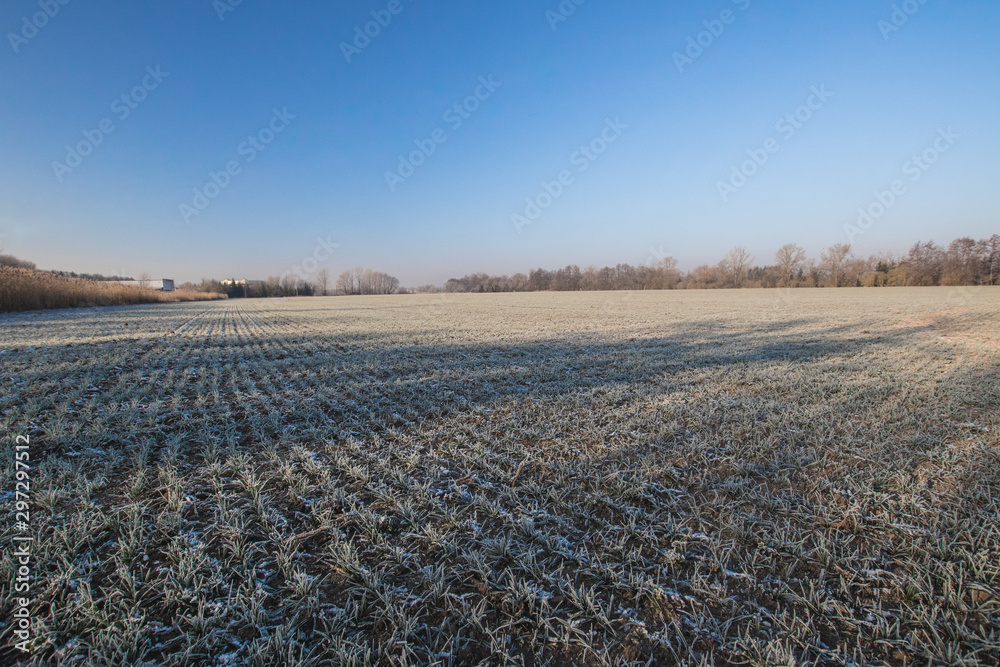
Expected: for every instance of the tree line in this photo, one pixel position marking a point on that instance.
(358, 280)
(965, 261)
(366, 281)
(274, 286)
(15, 263)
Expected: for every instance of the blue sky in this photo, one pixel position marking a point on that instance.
(555, 86)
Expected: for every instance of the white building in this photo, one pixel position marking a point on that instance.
(165, 285)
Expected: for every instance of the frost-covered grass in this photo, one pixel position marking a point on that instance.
(751, 477)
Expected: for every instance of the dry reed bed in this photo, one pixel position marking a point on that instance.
(24, 289)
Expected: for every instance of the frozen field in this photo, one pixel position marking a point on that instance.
(750, 477)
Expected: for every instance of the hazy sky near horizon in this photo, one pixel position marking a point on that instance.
(215, 138)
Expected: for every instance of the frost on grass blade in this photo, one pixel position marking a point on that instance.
(687, 477)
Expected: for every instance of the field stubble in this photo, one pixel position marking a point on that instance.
(752, 477)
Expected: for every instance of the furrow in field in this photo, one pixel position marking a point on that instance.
(92, 373)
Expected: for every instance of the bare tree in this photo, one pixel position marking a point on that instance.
(14, 262)
(789, 258)
(669, 274)
(833, 259)
(365, 281)
(703, 277)
(963, 262)
(992, 253)
(345, 283)
(735, 266)
(925, 263)
(289, 285)
(381, 283)
(322, 281)
(362, 280)
(145, 279)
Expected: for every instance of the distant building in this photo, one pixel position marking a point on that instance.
(165, 285)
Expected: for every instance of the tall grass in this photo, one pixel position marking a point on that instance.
(24, 289)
